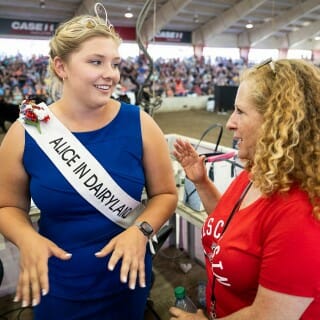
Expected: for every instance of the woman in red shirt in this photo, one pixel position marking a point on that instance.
(261, 237)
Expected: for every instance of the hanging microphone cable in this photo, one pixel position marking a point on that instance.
(143, 97)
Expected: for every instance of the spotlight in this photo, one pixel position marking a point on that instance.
(128, 14)
(249, 25)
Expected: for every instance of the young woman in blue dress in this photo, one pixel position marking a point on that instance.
(82, 263)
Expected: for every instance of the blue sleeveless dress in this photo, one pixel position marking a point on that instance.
(83, 287)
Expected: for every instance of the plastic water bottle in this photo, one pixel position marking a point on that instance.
(183, 301)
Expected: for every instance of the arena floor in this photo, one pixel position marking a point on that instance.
(193, 123)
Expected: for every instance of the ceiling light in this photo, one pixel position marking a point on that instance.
(42, 4)
(249, 25)
(196, 18)
(128, 14)
(317, 38)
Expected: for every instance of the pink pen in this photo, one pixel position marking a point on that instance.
(220, 157)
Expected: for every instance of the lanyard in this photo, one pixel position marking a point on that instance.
(236, 206)
(233, 212)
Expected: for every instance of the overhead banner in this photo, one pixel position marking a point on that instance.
(173, 36)
(126, 33)
(27, 28)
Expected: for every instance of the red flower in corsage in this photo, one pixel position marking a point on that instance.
(33, 114)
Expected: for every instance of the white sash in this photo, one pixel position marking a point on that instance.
(83, 171)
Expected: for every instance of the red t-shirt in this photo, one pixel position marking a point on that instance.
(274, 242)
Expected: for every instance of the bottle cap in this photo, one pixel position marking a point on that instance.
(179, 292)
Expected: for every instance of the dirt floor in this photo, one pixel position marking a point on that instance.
(193, 123)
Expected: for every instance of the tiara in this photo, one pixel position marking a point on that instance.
(102, 16)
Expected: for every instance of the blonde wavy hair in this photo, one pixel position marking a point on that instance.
(69, 37)
(287, 94)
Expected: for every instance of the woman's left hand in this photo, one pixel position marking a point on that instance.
(130, 247)
(177, 313)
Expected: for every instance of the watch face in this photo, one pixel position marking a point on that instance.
(146, 228)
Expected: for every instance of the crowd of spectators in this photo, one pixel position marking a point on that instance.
(20, 77)
(180, 77)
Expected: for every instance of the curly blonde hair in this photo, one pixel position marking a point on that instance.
(287, 94)
(69, 37)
